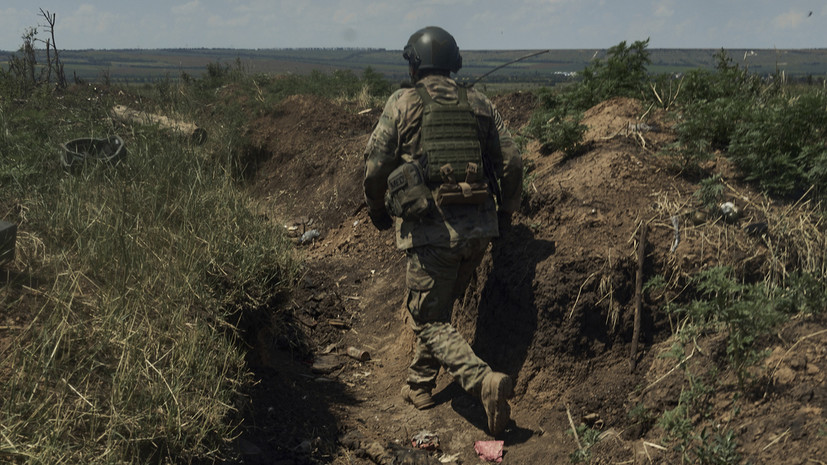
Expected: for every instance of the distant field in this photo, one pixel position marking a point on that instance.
(149, 65)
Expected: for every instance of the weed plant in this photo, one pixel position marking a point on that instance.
(587, 438)
(745, 311)
(712, 445)
(622, 74)
(773, 133)
(710, 193)
(782, 147)
(557, 124)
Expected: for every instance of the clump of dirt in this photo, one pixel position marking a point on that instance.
(552, 304)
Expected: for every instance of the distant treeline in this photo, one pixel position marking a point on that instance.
(142, 65)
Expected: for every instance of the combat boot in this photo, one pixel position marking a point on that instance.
(420, 398)
(496, 389)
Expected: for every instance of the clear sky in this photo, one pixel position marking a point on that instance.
(476, 24)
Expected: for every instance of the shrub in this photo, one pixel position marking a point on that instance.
(710, 193)
(557, 123)
(783, 145)
(623, 74)
(558, 127)
(693, 405)
(717, 448)
(587, 438)
(376, 83)
(712, 107)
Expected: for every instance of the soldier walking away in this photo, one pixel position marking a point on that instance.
(442, 168)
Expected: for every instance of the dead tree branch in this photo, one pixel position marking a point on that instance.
(53, 64)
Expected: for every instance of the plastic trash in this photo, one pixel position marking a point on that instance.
(309, 236)
(490, 451)
(425, 440)
(78, 152)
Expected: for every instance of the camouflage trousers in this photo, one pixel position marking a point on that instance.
(436, 277)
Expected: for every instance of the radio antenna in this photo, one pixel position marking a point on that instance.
(534, 54)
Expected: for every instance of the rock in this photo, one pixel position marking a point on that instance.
(698, 217)
(326, 364)
(309, 236)
(798, 362)
(784, 375)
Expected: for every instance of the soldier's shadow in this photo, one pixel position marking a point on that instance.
(500, 301)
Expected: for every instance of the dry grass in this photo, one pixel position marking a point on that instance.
(119, 348)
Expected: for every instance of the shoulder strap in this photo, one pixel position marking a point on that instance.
(462, 95)
(424, 95)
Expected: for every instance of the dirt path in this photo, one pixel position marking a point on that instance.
(552, 304)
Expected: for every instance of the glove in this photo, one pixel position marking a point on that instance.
(380, 219)
(503, 222)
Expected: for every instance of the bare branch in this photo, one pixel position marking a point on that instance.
(51, 19)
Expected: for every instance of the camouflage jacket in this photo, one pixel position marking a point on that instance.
(396, 139)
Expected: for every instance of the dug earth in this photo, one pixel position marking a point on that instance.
(553, 305)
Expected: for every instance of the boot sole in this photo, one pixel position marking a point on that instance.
(495, 395)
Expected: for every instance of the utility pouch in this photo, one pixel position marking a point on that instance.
(408, 197)
(473, 191)
(462, 193)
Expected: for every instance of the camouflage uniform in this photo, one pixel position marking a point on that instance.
(445, 247)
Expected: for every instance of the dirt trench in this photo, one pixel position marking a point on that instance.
(552, 303)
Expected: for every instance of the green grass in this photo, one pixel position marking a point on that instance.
(127, 280)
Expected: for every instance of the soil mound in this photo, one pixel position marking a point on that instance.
(309, 150)
(553, 303)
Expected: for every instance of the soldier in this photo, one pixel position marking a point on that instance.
(441, 161)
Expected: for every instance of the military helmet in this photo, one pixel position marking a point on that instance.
(432, 48)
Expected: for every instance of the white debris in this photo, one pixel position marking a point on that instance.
(309, 236)
(729, 211)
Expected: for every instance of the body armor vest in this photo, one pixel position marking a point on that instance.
(450, 170)
(449, 139)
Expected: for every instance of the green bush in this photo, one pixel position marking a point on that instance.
(777, 141)
(623, 74)
(712, 106)
(783, 145)
(803, 294)
(693, 406)
(376, 83)
(717, 448)
(727, 81)
(557, 123)
(587, 438)
(558, 127)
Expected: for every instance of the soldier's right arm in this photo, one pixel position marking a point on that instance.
(382, 155)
